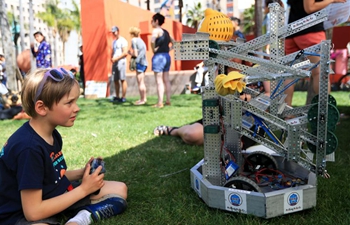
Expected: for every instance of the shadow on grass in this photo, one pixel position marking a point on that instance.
(158, 177)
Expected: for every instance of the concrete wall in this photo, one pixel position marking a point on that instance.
(177, 79)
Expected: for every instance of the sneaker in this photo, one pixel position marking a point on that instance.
(115, 99)
(106, 207)
(196, 88)
(122, 100)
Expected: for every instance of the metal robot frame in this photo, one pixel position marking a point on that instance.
(227, 118)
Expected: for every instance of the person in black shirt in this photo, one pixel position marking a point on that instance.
(307, 37)
(161, 59)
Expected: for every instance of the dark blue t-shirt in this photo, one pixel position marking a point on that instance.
(28, 162)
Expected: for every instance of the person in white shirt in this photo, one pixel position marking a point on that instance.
(119, 54)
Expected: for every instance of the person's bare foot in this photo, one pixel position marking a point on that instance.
(139, 102)
(159, 105)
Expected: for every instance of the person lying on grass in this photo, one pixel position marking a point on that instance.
(193, 133)
(35, 185)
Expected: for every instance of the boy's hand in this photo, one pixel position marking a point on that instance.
(96, 163)
(92, 182)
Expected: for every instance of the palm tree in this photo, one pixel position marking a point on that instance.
(258, 18)
(248, 20)
(75, 17)
(21, 25)
(59, 20)
(8, 48)
(195, 15)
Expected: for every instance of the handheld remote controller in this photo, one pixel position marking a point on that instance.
(94, 165)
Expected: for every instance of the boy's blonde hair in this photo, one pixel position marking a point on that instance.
(134, 31)
(52, 91)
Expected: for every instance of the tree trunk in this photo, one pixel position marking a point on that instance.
(258, 18)
(64, 52)
(8, 48)
(180, 10)
(54, 59)
(21, 32)
(31, 32)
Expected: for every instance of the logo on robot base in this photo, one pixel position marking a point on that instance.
(197, 184)
(236, 202)
(293, 199)
(235, 199)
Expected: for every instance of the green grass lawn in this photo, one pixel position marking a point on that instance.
(156, 169)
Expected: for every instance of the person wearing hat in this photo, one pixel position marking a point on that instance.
(42, 54)
(119, 54)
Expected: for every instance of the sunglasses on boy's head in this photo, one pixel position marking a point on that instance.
(56, 75)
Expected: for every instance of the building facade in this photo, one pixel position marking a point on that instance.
(171, 8)
(12, 9)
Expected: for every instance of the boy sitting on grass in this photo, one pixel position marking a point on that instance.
(35, 185)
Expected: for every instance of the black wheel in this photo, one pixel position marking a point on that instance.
(242, 183)
(259, 160)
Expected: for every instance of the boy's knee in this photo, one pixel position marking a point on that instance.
(123, 189)
(118, 188)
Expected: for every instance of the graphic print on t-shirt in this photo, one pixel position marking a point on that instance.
(56, 162)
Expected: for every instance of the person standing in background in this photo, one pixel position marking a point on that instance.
(138, 51)
(306, 38)
(119, 53)
(200, 69)
(237, 29)
(81, 70)
(161, 59)
(42, 54)
(3, 76)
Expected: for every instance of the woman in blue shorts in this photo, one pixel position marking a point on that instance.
(161, 59)
(138, 51)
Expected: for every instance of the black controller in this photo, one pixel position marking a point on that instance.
(94, 165)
